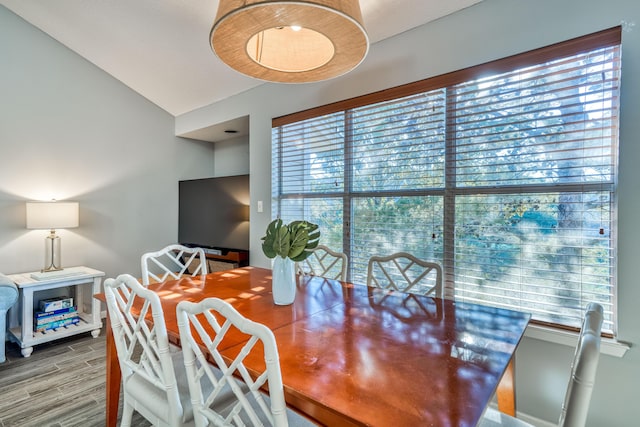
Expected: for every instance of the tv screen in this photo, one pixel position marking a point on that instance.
(214, 212)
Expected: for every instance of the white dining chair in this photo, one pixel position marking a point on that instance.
(173, 262)
(324, 262)
(405, 272)
(147, 361)
(575, 407)
(211, 320)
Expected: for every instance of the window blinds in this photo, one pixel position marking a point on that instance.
(507, 178)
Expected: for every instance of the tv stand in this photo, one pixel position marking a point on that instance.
(218, 255)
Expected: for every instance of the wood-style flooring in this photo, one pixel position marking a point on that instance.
(62, 384)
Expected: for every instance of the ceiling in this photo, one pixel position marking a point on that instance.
(160, 48)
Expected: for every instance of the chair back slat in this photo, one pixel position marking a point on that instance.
(406, 273)
(583, 369)
(141, 340)
(203, 329)
(172, 262)
(324, 262)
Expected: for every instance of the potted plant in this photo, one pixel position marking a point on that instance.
(287, 244)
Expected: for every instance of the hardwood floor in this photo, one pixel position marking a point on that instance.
(62, 384)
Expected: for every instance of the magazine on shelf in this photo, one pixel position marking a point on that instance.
(42, 314)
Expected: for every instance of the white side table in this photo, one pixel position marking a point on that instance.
(85, 282)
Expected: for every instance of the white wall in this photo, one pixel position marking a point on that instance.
(232, 157)
(70, 131)
(489, 30)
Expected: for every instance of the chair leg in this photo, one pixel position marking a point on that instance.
(127, 414)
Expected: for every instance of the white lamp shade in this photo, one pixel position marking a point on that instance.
(52, 215)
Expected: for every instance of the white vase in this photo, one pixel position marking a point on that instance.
(283, 281)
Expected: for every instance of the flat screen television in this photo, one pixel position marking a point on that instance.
(214, 212)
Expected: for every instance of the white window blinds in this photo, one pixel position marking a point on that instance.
(504, 173)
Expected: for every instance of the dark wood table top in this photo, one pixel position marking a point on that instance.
(353, 355)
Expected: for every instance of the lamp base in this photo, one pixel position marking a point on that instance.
(52, 254)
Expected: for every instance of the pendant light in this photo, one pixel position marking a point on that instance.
(290, 41)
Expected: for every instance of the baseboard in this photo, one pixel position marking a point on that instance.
(537, 422)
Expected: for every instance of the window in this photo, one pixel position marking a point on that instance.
(505, 173)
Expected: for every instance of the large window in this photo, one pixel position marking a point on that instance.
(504, 173)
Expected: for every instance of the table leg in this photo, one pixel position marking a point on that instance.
(506, 394)
(114, 377)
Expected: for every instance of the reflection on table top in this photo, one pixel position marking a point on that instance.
(353, 355)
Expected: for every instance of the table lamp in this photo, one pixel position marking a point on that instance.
(51, 216)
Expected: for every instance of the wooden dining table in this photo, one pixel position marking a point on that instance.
(352, 355)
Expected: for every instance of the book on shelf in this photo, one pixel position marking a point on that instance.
(58, 324)
(42, 318)
(57, 303)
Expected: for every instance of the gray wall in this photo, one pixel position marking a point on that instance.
(486, 31)
(70, 131)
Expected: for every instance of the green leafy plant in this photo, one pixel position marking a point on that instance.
(293, 240)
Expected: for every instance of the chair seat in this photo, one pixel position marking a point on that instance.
(494, 418)
(148, 396)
